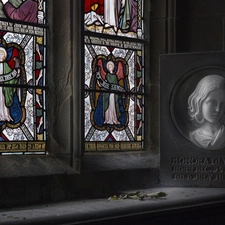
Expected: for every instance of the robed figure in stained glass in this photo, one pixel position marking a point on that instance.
(111, 102)
(5, 93)
(15, 3)
(111, 14)
(118, 14)
(25, 11)
(127, 13)
(10, 109)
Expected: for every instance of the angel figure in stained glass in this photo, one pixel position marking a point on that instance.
(110, 100)
(8, 76)
(110, 108)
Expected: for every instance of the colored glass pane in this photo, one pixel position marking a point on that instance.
(22, 80)
(31, 11)
(113, 17)
(114, 95)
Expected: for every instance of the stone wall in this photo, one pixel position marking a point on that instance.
(175, 26)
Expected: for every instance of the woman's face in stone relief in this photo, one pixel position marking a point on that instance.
(213, 106)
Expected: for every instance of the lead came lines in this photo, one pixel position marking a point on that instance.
(27, 133)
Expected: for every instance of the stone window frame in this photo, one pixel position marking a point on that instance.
(132, 159)
(74, 145)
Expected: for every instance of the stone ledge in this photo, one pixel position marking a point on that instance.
(41, 165)
(94, 162)
(32, 165)
(87, 211)
(34, 179)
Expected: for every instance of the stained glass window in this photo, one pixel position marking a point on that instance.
(22, 76)
(114, 17)
(113, 75)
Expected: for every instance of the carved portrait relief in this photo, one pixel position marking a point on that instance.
(206, 106)
(198, 108)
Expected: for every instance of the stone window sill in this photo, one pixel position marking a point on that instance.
(193, 201)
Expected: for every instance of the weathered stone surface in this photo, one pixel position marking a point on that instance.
(186, 161)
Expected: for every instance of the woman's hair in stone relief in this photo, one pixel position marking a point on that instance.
(205, 85)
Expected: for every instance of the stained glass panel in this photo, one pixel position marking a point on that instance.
(114, 94)
(22, 76)
(31, 11)
(114, 17)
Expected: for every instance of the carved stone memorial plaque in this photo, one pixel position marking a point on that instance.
(192, 119)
